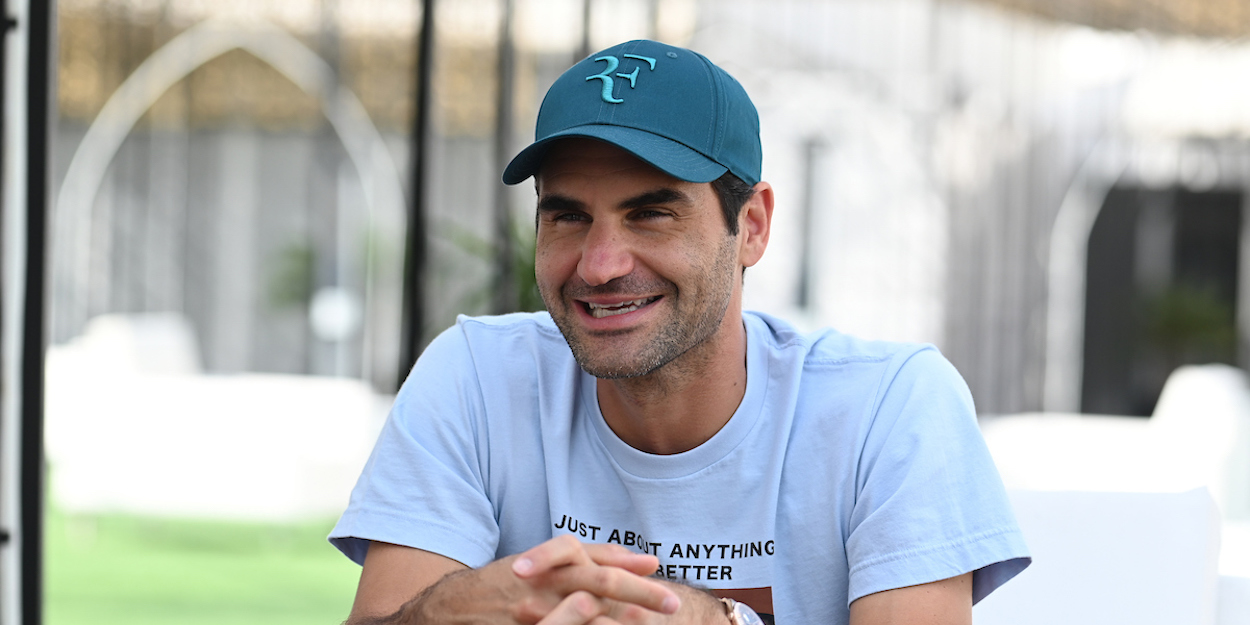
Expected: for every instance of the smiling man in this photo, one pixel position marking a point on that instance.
(646, 452)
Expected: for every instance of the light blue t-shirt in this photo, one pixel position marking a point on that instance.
(850, 467)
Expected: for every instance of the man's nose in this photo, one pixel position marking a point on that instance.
(606, 255)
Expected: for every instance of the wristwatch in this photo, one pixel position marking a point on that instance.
(740, 613)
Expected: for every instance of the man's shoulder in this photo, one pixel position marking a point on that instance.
(828, 346)
(862, 369)
(498, 341)
(516, 323)
(510, 330)
(492, 356)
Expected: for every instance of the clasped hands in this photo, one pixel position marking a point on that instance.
(561, 582)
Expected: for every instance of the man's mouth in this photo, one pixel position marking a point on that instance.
(599, 311)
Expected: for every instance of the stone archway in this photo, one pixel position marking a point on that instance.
(365, 148)
(1066, 271)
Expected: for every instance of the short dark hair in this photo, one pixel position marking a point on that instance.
(733, 194)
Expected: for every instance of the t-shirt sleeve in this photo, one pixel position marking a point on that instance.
(424, 484)
(930, 504)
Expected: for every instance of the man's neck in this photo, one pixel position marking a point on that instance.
(684, 403)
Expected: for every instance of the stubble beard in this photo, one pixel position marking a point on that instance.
(678, 335)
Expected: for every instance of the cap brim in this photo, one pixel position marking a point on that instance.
(666, 155)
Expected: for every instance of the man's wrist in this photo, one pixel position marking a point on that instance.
(699, 606)
(740, 613)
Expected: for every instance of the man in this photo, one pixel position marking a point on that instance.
(648, 439)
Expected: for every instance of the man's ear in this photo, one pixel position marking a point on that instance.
(754, 224)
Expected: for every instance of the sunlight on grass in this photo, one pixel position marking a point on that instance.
(119, 569)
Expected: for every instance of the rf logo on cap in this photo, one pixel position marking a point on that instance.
(606, 75)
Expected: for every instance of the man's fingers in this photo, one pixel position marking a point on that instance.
(557, 552)
(579, 608)
(608, 582)
(566, 550)
(620, 557)
(586, 575)
(531, 610)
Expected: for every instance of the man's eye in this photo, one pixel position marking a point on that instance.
(568, 217)
(648, 213)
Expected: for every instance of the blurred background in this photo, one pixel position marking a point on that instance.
(261, 210)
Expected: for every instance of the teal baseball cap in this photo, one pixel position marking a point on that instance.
(669, 106)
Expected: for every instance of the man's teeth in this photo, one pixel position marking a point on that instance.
(599, 311)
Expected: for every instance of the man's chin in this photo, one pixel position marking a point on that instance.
(590, 354)
(605, 371)
(609, 354)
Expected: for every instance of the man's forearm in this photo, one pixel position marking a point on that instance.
(698, 606)
(563, 578)
(373, 620)
(410, 612)
(405, 615)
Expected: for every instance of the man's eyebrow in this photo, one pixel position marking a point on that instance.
(665, 195)
(549, 203)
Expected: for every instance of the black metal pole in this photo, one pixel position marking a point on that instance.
(38, 115)
(413, 330)
(811, 152)
(583, 50)
(505, 292)
(8, 26)
(653, 19)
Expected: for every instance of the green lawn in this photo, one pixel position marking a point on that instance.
(102, 570)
